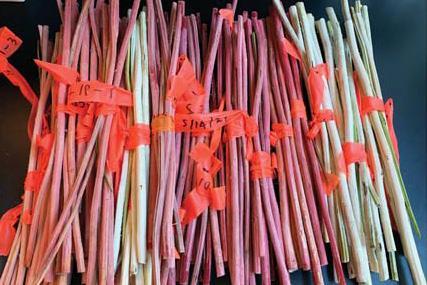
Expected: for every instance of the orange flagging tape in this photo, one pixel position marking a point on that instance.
(45, 141)
(7, 231)
(105, 109)
(162, 123)
(117, 141)
(298, 109)
(193, 205)
(330, 182)
(240, 127)
(370, 104)
(341, 164)
(354, 152)
(85, 124)
(370, 162)
(388, 106)
(203, 123)
(279, 131)
(99, 92)
(27, 217)
(316, 85)
(227, 14)
(367, 104)
(320, 117)
(92, 91)
(261, 166)
(33, 181)
(288, 48)
(187, 94)
(9, 43)
(197, 201)
(70, 109)
(204, 156)
(138, 134)
(204, 194)
(59, 72)
(109, 98)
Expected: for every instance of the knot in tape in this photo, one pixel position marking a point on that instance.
(279, 131)
(261, 165)
(44, 143)
(204, 195)
(196, 202)
(204, 156)
(241, 126)
(330, 181)
(319, 118)
(352, 153)
(370, 104)
(366, 104)
(251, 126)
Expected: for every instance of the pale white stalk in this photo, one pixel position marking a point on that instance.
(138, 188)
(358, 254)
(288, 26)
(125, 261)
(139, 277)
(364, 30)
(145, 166)
(376, 203)
(329, 59)
(337, 108)
(344, 92)
(391, 169)
(361, 206)
(121, 206)
(380, 246)
(132, 215)
(321, 144)
(148, 270)
(121, 215)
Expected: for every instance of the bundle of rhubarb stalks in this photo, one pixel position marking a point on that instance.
(165, 150)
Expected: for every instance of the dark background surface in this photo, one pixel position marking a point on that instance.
(399, 35)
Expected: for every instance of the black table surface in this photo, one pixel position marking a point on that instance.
(399, 35)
